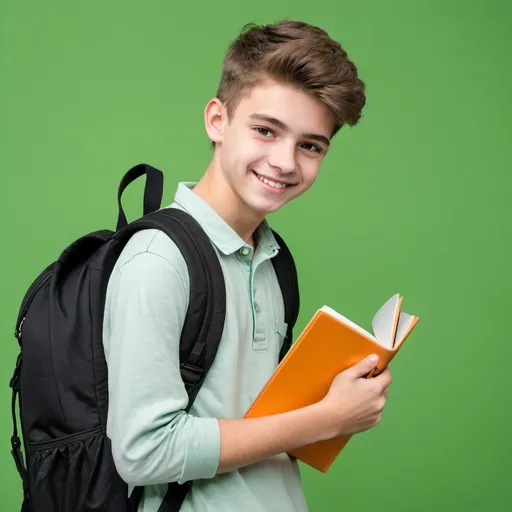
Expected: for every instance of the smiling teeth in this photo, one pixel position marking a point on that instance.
(273, 184)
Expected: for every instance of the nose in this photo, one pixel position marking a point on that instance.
(282, 157)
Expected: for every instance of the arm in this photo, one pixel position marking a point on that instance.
(250, 440)
(153, 440)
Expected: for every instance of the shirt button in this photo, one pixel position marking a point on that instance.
(244, 251)
(257, 307)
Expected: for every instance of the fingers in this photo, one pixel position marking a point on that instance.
(384, 379)
(382, 383)
(364, 366)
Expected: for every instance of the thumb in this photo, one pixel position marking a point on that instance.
(364, 366)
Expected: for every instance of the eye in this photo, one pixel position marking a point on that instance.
(264, 131)
(309, 146)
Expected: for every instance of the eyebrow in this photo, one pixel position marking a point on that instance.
(283, 126)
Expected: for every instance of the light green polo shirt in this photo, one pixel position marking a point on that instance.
(153, 440)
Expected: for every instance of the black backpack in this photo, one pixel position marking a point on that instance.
(61, 372)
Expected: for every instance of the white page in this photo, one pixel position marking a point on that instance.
(383, 322)
(404, 322)
(346, 321)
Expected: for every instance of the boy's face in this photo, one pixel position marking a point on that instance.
(271, 149)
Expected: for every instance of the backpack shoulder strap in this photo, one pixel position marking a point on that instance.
(286, 272)
(204, 320)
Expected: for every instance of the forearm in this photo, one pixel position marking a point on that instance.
(246, 441)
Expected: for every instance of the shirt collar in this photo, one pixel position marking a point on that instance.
(223, 236)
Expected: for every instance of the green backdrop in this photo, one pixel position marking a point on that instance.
(416, 200)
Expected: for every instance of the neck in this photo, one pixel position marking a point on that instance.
(216, 191)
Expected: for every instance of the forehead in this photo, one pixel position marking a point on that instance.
(301, 112)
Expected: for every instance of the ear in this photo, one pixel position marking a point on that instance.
(215, 119)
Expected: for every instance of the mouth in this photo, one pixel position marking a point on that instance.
(271, 183)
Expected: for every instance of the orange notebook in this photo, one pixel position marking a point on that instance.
(329, 344)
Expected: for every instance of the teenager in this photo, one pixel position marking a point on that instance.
(285, 91)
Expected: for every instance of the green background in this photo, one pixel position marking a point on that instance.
(415, 199)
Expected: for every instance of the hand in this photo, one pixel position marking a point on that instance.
(355, 403)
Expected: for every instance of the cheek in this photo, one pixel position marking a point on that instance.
(309, 174)
(250, 153)
(241, 149)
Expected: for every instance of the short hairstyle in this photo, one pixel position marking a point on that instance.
(296, 53)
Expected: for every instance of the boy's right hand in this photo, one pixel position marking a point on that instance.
(355, 403)
(352, 404)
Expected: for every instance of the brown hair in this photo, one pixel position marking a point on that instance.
(296, 53)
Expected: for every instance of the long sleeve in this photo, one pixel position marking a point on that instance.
(154, 440)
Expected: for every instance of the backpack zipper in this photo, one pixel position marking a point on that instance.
(17, 332)
(16, 382)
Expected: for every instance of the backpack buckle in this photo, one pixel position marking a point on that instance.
(191, 374)
(18, 458)
(15, 442)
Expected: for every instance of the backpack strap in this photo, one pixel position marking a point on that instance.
(286, 272)
(15, 439)
(153, 190)
(204, 320)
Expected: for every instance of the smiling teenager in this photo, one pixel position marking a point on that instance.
(285, 91)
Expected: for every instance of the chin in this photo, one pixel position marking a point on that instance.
(262, 207)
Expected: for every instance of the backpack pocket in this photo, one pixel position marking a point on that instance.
(75, 473)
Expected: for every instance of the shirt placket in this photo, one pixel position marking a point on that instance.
(259, 337)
